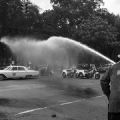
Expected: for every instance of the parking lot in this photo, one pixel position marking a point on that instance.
(50, 98)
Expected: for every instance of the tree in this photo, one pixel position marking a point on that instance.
(3, 16)
(26, 14)
(5, 54)
(76, 4)
(82, 8)
(96, 33)
(18, 17)
(86, 22)
(95, 29)
(68, 14)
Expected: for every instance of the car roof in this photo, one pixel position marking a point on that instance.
(15, 66)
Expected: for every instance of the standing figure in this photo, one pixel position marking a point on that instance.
(110, 84)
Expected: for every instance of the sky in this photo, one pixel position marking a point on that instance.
(44, 4)
(113, 6)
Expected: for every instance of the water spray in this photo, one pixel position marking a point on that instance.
(54, 51)
(94, 51)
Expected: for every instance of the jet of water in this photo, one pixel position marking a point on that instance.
(54, 51)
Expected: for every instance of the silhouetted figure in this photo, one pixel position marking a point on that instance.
(110, 84)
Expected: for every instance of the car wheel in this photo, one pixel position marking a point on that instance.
(97, 76)
(1, 77)
(28, 76)
(76, 75)
(72, 75)
(80, 75)
(64, 75)
(87, 77)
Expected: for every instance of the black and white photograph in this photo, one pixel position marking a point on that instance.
(59, 59)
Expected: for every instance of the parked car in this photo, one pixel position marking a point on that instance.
(68, 73)
(87, 71)
(81, 73)
(94, 74)
(17, 72)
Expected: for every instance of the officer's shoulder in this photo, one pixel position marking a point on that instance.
(117, 64)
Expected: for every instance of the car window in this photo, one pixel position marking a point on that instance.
(7, 68)
(21, 68)
(14, 68)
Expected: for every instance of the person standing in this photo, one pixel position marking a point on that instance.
(110, 84)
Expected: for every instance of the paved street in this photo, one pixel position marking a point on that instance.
(50, 98)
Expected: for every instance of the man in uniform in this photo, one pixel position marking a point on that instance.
(110, 84)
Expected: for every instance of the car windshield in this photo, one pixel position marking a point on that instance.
(7, 68)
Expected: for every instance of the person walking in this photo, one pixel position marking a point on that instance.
(110, 84)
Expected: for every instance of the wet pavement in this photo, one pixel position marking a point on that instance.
(52, 98)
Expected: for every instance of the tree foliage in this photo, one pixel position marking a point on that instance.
(82, 20)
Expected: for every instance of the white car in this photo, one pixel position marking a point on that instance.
(80, 73)
(68, 73)
(17, 72)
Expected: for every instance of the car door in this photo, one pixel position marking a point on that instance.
(14, 72)
(21, 72)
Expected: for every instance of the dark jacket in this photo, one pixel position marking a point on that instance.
(110, 83)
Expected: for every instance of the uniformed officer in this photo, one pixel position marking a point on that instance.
(110, 84)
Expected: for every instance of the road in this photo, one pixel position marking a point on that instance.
(52, 98)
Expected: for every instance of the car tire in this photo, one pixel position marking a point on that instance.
(76, 75)
(72, 75)
(64, 75)
(28, 76)
(1, 77)
(80, 75)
